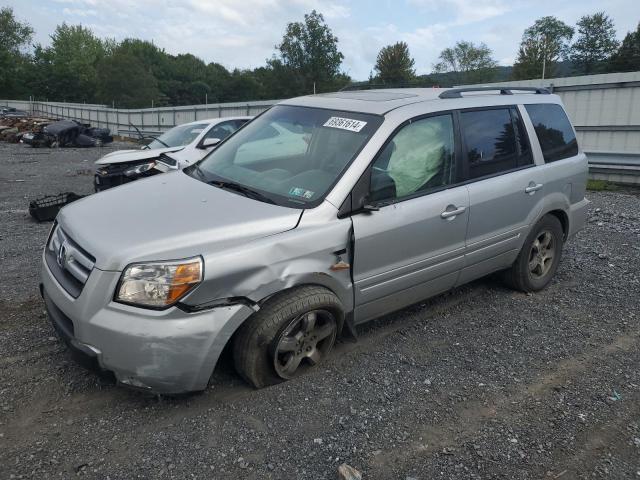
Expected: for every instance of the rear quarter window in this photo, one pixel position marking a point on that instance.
(554, 131)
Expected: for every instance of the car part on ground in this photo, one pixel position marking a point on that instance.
(46, 209)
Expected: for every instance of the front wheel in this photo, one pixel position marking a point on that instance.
(538, 260)
(293, 332)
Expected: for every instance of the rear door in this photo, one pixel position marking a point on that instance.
(565, 169)
(505, 187)
(413, 246)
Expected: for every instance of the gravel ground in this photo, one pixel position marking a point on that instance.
(482, 382)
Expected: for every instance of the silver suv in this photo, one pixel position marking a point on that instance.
(324, 212)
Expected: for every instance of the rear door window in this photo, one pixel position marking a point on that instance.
(491, 141)
(554, 131)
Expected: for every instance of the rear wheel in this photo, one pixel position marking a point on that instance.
(293, 332)
(539, 258)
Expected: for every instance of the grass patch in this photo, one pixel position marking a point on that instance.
(601, 186)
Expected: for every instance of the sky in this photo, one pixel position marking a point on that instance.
(243, 33)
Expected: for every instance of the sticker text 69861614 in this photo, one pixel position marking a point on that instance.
(345, 124)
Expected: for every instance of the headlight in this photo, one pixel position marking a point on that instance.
(138, 169)
(158, 284)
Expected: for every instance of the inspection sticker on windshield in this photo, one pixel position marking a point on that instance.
(345, 124)
(301, 192)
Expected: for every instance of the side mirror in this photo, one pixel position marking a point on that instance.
(369, 205)
(209, 142)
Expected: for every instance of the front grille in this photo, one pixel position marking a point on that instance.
(69, 263)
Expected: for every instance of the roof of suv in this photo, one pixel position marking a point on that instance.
(381, 101)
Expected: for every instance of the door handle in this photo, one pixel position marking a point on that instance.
(452, 213)
(533, 188)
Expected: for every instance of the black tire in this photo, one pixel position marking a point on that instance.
(258, 343)
(521, 275)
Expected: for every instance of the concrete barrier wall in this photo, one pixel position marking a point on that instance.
(150, 121)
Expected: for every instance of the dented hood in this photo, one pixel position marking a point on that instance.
(168, 217)
(124, 156)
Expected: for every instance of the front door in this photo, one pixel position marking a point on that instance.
(413, 246)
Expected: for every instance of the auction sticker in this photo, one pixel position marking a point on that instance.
(301, 192)
(345, 124)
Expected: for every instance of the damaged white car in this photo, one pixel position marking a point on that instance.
(177, 148)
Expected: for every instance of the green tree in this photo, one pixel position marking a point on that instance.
(470, 63)
(595, 44)
(122, 79)
(218, 79)
(186, 82)
(627, 58)
(543, 45)
(71, 61)
(310, 51)
(14, 37)
(154, 60)
(394, 64)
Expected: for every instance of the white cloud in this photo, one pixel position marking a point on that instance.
(79, 12)
(464, 12)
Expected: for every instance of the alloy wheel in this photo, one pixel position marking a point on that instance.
(304, 343)
(542, 252)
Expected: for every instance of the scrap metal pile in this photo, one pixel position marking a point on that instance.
(43, 132)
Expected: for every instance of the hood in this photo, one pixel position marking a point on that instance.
(123, 156)
(168, 217)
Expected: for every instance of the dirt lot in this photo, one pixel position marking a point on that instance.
(481, 382)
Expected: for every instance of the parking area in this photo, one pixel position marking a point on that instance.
(478, 383)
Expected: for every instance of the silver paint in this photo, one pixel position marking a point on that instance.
(401, 254)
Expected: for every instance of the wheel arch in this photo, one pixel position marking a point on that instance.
(341, 315)
(558, 205)
(562, 216)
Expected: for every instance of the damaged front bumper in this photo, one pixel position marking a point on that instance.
(110, 176)
(167, 352)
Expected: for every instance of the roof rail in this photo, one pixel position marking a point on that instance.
(383, 86)
(457, 92)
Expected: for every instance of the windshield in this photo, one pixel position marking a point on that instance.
(178, 136)
(291, 155)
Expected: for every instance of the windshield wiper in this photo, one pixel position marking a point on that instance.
(246, 191)
(199, 171)
(158, 140)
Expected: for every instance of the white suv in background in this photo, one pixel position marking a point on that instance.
(177, 148)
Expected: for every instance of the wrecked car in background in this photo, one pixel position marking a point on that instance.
(68, 133)
(177, 148)
(10, 112)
